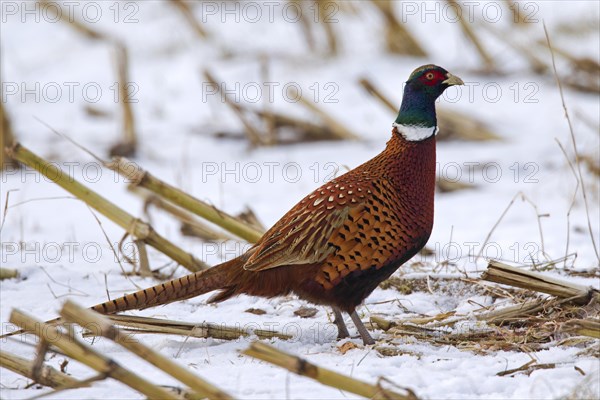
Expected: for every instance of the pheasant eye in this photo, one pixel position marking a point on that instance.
(429, 75)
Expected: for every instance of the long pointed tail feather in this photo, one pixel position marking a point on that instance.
(186, 287)
(192, 285)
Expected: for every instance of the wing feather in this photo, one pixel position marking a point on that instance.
(303, 235)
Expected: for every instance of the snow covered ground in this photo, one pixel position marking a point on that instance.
(53, 74)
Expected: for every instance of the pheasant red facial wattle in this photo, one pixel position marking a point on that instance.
(342, 240)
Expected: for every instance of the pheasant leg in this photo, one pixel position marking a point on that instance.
(338, 320)
(362, 330)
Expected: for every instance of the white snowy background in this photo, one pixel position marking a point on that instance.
(60, 250)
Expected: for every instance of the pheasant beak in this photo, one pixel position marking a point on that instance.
(453, 80)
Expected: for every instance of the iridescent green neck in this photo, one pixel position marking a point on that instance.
(417, 109)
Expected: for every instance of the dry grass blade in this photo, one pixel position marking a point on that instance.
(85, 354)
(303, 130)
(324, 11)
(375, 92)
(144, 260)
(583, 327)
(322, 19)
(85, 317)
(248, 216)
(335, 130)
(518, 18)
(513, 313)
(527, 368)
(79, 384)
(508, 275)
(574, 143)
(135, 227)
(322, 16)
(307, 130)
(56, 10)
(139, 177)
(573, 200)
(445, 185)
(306, 26)
(489, 235)
(324, 376)
(398, 39)
(470, 32)
(203, 232)
(267, 106)
(255, 137)
(47, 375)
(505, 212)
(190, 224)
(585, 76)
(147, 325)
(382, 323)
(7, 139)
(338, 131)
(537, 65)
(188, 13)
(588, 121)
(592, 163)
(127, 147)
(6, 273)
(453, 125)
(385, 324)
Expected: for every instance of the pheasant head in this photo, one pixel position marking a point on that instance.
(416, 119)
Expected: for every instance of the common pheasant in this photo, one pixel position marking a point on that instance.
(339, 242)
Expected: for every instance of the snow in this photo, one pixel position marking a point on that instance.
(61, 252)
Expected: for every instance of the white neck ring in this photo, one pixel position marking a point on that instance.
(415, 133)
